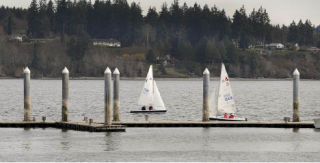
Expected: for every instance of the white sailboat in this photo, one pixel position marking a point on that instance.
(225, 109)
(150, 99)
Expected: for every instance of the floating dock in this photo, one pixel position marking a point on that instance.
(78, 126)
(121, 126)
(308, 124)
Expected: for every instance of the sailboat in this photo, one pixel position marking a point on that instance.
(150, 99)
(225, 106)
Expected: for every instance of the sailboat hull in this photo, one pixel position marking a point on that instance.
(221, 118)
(317, 123)
(148, 111)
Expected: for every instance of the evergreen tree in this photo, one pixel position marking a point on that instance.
(152, 17)
(293, 33)
(61, 17)
(33, 20)
(240, 23)
(9, 26)
(44, 23)
(151, 58)
(50, 14)
(185, 51)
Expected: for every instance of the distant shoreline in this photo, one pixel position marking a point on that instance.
(165, 79)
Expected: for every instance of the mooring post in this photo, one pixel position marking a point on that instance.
(65, 94)
(116, 99)
(206, 81)
(107, 97)
(296, 79)
(27, 100)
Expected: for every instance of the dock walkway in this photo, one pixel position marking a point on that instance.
(306, 124)
(121, 126)
(78, 126)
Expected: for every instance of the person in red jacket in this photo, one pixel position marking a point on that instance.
(231, 116)
(225, 115)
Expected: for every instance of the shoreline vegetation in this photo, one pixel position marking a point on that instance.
(179, 40)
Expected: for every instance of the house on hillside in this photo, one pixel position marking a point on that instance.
(236, 43)
(314, 49)
(106, 42)
(165, 60)
(16, 38)
(275, 46)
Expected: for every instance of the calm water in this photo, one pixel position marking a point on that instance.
(161, 144)
(256, 100)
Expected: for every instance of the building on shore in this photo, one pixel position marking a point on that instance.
(106, 42)
(275, 46)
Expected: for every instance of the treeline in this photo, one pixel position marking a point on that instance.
(194, 36)
(117, 19)
(10, 17)
(185, 32)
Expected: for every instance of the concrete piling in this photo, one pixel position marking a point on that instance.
(205, 109)
(107, 97)
(296, 80)
(27, 100)
(65, 94)
(116, 99)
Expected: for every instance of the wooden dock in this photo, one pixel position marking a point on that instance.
(78, 126)
(94, 127)
(121, 126)
(307, 124)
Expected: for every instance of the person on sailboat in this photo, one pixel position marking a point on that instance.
(231, 116)
(143, 108)
(225, 115)
(150, 108)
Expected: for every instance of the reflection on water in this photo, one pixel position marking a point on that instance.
(295, 129)
(146, 117)
(65, 141)
(112, 141)
(161, 144)
(26, 146)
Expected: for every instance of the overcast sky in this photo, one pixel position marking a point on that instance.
(280, 11)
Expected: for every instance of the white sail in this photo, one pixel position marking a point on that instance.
(225, 100)
(157, 100)
(146, 95)
(150, 95)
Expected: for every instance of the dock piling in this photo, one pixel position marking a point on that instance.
(296, 79)
(116, 99)
(107, 97)
(206, 81)
(27, 99)
(65, 94)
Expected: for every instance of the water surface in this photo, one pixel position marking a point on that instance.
(256, 100)
(161, 144)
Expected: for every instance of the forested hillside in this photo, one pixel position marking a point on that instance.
(181, 40)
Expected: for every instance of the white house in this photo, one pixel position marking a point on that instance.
(314, 49)
(108, 43)
(16, 38)
(275, 46)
